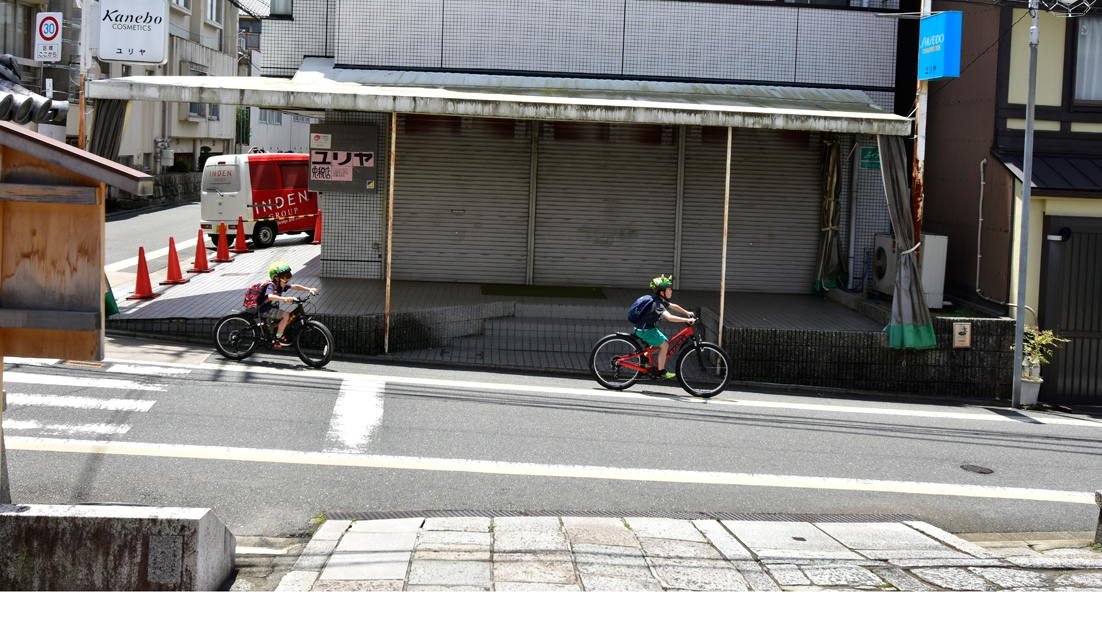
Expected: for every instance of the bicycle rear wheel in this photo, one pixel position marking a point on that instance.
(604, 362)
(236, 337)
(314, 344)
(705, 370)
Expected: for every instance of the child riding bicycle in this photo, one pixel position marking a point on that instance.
(645, 313)
(267, 308)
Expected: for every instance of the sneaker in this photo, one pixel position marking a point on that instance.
(667, 375)
(282, 341)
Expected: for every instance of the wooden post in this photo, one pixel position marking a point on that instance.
(723, 257)
(389, 227)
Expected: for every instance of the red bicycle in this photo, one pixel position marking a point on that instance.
(621, 359)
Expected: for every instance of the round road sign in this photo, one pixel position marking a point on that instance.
(48, 28)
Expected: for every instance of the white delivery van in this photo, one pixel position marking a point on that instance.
(267, 190)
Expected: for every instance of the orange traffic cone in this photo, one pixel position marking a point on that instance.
(317, 231)
(143, 290)
(201, 265)
(175, 276)
(223, 255)
(240, 247)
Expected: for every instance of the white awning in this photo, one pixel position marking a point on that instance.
(319, 86)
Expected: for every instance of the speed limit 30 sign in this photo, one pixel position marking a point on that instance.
(47, 37)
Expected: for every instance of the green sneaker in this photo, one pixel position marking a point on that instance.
(667, 375)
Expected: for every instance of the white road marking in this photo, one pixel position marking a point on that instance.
(358, 410)
(79, 402)
(65, 429)
(29, 361)
(76, 381)
(147, 370)
(596, 392)
(130, 262)
(273, 456)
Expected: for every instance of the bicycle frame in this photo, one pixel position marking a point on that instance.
(675, 343)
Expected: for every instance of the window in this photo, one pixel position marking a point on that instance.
(126, 160)
(147, 161)
(186, 4)
(214, 11)
(1088, 66)
(196, 110)
(126, 70)
(281, 9)
(264, 175)
(271, 117)
(24, 30)
(212, 112)
(294, 175)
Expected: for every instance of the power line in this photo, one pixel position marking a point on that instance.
(986, 50)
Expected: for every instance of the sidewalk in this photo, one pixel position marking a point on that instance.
(609, 553)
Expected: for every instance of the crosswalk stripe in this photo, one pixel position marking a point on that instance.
(67, 429)
(79, 402)
(358, 410)
(147, 370)
(29, 361)
(76, 381)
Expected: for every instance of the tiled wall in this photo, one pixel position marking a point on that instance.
(286, 42)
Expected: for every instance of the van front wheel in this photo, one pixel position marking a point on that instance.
(264, 234)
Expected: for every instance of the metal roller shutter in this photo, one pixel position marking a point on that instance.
(773, 223)
(605, 204)
(461, 200)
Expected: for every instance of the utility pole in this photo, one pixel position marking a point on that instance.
(918, 175)
(85, 14)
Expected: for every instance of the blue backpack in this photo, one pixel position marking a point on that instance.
(643, 312)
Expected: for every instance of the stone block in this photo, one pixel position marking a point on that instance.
(113, 548)
(841, 575)
(555, 567)
(727, 545)
(297, 582)
(369, 556)
(788, 575)
(953, 579)
(1011, 578)
(458, 524)
(675, 550)
(527, 541)
(386, 526)
(788, 540)
(357, 586)
(535, 586)
(664, 528)
(619, 583)
(1059, 562)
(699, 575)
(1091, 579)
(451, 573)
(331, 530)
(756, 576)
(527, 524)
(455, 538)
(446, 587)
(598, 531)
(611, 561)
(902, 581)
(478, 554)
(315, 555)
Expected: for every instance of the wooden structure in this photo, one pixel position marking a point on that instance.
(52, 283)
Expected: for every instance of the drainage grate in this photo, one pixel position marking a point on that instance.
(90, 364)
(727, 516)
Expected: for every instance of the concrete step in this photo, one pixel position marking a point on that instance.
(570, 311)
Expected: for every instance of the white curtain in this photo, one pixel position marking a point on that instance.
(1088, 69)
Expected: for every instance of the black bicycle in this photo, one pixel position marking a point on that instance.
(239, 335)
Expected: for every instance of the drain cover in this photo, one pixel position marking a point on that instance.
(977, 469)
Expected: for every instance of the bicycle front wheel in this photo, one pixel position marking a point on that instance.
(606, 364)
(704, 370)
(236, 337)
(314, 344)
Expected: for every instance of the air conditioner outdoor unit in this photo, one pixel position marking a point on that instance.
(931, 266)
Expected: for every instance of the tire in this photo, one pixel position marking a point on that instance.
(704, 372)
(602, 366)
(236, 337)
(229, 240)
(314, 344)
(264, 234)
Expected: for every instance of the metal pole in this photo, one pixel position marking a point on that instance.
(389, 227)
(1027, 185)
(84, 26)
(679, 205)
(723, 257)
(855, 172)
(919, 172)
(533, 174)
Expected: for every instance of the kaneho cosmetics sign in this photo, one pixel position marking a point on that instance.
(133, 31)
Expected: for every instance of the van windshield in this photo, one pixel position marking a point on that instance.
(221, 178)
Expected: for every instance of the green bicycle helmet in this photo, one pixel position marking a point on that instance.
(660, 283)
(278, 268)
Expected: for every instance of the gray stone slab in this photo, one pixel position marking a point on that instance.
(452, 573)
(948, 562)
(477, 555)
(1006, 552)
(945, 553)
(1077, 552)
(699, 575)
(387, 526)
(455, 538)
(529, 541)
(841, 575)
(368, 556)
(315, 555)
(458, 524)
(620, 584)
(727, 544)
(1011, 578)
(446, 587)
(788, 575)
(782, 540)
(664, 528)
(534, 586)
(611, 561)
(1078, 589)
(554, 568)
(756, 576)
(676, 550)
(357, 586)
(331, 530)
(954, 579)
(953, 541)
(1092, 579)
(448, 548)
(598, 531)
(297, 582)
(888, 540)
(902, 581)
(527, 524)
(1045, 562)
(863, 562)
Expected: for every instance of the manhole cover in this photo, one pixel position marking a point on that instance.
(977, 469)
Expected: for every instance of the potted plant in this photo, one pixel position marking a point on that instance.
(1037, 350)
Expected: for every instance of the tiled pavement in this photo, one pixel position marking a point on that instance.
(664, 554)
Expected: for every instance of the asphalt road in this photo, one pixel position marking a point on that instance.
(151, 229)
(269, 444)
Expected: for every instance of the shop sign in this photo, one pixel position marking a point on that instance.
(342, 158)
(870, 158)
(939, 46)
(133, 31)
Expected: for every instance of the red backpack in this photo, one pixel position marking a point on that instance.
(254, 294)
